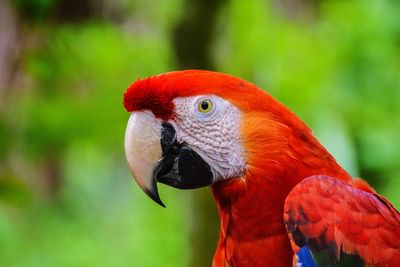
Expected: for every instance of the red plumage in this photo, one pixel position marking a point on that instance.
(280, 152)
(328, 214)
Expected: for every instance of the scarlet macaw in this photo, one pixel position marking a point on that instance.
(283, 200)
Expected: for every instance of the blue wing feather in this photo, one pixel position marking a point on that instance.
(305, 258)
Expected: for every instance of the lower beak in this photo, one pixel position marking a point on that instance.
(154, 155)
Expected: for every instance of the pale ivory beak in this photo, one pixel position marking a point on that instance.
(143, 150)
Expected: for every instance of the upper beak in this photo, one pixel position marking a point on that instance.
(154, 155)
(143, 150)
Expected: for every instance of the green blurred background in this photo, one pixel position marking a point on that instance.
(66, 195)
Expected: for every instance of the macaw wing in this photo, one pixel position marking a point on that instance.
(332, 223)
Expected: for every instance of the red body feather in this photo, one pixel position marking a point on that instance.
(280, 152)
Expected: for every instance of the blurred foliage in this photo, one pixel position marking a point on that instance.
(12, 190)
(338, 68)
(5, 139)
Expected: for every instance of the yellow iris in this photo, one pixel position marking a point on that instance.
(205, 105)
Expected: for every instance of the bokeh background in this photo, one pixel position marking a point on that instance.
(66, 195)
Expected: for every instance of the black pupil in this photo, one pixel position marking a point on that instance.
(204, 105)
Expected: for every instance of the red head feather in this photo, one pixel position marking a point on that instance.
(157, 92)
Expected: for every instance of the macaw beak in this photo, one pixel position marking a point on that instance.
(154, 155)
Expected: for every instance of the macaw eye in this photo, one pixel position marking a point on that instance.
(205, 106)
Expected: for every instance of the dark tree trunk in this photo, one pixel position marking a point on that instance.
(193, 34)
(192, 38)
(73, 10)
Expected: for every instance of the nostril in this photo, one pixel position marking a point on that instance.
(175, 149)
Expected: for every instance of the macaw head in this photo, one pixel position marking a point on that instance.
(190, 129)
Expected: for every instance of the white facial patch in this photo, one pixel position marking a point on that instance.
(211, 127)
